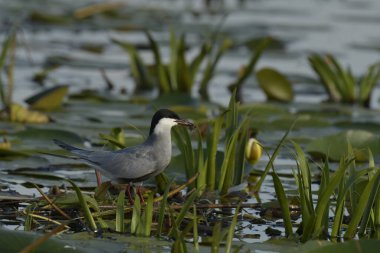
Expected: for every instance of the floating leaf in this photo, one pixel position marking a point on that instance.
(15, 241)
(275, 85)
(47, 18)
(49, 99)
(335, 146)
(368, 246)
(18, 113)
(48, 134)
(5, 144)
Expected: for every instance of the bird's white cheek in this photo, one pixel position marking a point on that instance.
(164, 125)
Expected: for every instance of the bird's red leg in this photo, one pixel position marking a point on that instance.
(98, 177)
(128, 190)
(140, 195)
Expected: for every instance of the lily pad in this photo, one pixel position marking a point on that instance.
(367, 246)
(38, 137)
(275, 85)
(48, 99)
(335, 146)
(20, 114)
(15, 241)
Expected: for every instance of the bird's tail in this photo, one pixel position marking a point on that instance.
(77, 151)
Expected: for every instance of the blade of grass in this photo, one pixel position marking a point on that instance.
(368, 82)
(10, 68)
(345, 80)
(173, 64)
(326, 75)
(325, 196)
(120, 225)
(304, 185)
(212, 148)
(264, 43)
(136, 215)
(29, 219)
(148, 215)
(51, 203)
(138, 70)
(87, 213)
(339, 211)
(216, 237)
(179, 243)
(197, 61)
(7, 45)
(231, 117)
(227, 172)
(284, 204)
(201, 165)
(272, 158)
(189, 202)
(209, 71)
(325, 178)
(34, 245)
(342, 195)
(195, 230)
(162, 77)
(364, 206)
(161, 213)
(231, 230)
(183, 141)
(183, 73)
(240, 153)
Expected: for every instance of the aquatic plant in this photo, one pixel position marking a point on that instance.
(230, 170)
(7, 61)
(177, 75)
(342, 186)
(248, 69)
(340, 83)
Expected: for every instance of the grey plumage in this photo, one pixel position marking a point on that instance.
(138, 163)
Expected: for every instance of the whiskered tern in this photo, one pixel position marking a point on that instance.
(137, 163)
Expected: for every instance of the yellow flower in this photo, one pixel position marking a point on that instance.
(253, 151)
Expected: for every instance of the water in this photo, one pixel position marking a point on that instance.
(347, 29)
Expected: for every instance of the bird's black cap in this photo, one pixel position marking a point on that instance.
(162, 113)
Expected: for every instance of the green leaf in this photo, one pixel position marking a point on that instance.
(335, 146)
(161, 213)
(212, 148)
(120, 227)
(186, 207)
(136, 215)
(231, 230)
(138, 70)
(324, 200)
(209, 71)
(15, 241)
(160, 68)
(9, 44)
(272, 158)
(251, 64)
(148, 215)
(364, 206)
(352, 246)
(326, 75)
(48, 99)
(275, 85)
(284, 203)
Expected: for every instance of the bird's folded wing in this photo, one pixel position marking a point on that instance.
(129, 165)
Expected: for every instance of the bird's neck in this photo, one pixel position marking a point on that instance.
(162, 143)
(161, 138)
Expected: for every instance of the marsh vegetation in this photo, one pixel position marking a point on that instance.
(281, 160)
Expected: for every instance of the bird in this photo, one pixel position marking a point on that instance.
(137, 163)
